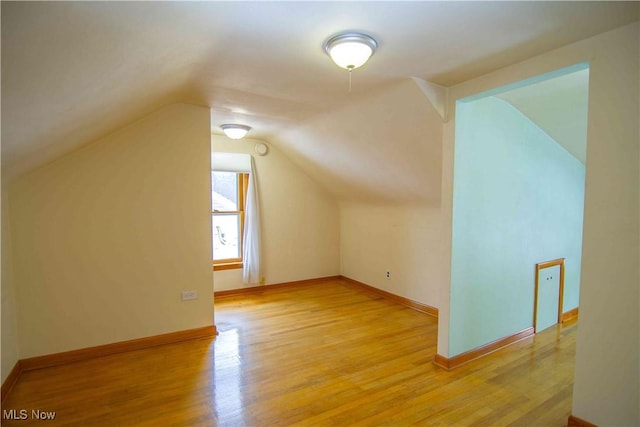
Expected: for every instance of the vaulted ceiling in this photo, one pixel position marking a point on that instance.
(75, 71)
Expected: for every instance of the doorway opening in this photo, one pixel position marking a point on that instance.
(518, 199)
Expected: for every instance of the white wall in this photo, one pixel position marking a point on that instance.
(300, 220)
(105, 239)
(404, 240)
(606, 386)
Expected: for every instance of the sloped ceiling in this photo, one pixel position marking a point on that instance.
(383, 147)
(75, 71)
(560, 107)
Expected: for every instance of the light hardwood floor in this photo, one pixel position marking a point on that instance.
(324, 354)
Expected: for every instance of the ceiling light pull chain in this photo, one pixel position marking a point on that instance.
(350, 72)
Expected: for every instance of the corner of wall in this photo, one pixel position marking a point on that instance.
(10, 340)
(301, 219)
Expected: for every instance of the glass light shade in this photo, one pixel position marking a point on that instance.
(235, 131)
(350, 55)
(350, 50)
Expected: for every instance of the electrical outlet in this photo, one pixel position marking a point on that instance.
(189, 295)
(388, 275)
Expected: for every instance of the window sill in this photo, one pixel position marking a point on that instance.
(227, 266)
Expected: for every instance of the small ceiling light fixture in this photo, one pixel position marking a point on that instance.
(350, 50)
(235, 131)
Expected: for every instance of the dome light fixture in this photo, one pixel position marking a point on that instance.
(350, 50)
(235, 131)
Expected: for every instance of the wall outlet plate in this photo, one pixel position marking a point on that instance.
(189, 295)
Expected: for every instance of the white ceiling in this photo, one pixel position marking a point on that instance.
(75, 71)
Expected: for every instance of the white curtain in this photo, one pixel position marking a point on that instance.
(251, 239)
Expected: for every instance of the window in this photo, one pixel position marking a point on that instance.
(227, 217)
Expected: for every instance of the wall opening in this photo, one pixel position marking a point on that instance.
(518, 200)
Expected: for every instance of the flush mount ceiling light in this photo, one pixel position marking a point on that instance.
(350, 50)
(235, 131)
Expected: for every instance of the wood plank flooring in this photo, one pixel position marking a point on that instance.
(326, 354)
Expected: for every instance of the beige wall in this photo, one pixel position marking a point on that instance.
(105, 239)
(608, 349)
(404, 240)
(395, 225)
(446, 219)
(9, 346)
(606, 386)
(300, 220)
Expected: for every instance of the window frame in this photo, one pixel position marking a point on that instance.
(242, 185)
